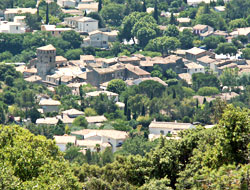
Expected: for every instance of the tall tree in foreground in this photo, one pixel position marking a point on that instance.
(34, 162)
(156, 12)
(99, 5)
(47, 14)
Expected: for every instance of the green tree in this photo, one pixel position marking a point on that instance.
(156, 11)
(226, 48)
(172, 31)
(80, 121)
(246, 53)
(200, 80)
(237, 23)
(99, 5)
(230, 77)
(73, 54)
(33, 158)
(5, 56)
(113, 14)
(116, 86)
(212, 42)
(47, 14)
(163, 44)
(89, 112)
(186, 39)
(9, 80)
(208, 91)
(128, 23)
(137, 145)
(97, 16)
(33, 21)
(62, 90)
(73, 38)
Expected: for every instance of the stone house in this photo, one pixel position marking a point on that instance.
(195, 53)
(49, 105)
(96, 39)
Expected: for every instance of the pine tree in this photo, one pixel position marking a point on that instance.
(60, 81)
(47, 14)
(144, 8)
(99, 5)
(156, 11)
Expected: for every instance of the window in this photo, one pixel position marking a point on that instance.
(86, 24)
(17, 28)
(97, 38)
(195, 69)
(162, 132)
(53, 32)
(169, 132)
(104, 42)
(50, 59)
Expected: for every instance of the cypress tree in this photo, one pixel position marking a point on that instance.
(37, 13)
(126, 106)
(128, 115)
(156, 11)
(144, 8)
(172, 19)
(85, 13)
(143, 112)
(174, 94)
(204, 100)
(99, 5)
(197, 103)
(47, 14)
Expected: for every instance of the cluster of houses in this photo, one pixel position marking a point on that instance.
(98, 140)
(52, 70)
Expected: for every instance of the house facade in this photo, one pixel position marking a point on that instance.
(96, 39)
(112, 137)
(82, 24)
(157, 128)
(49, 105)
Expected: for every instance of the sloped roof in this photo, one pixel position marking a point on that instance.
(96, 119)
(47, 48)
(73, 112)
(114, 134)
(195, 51)
(65, 139)
(47, 121)
(170, 125)
(49, 102)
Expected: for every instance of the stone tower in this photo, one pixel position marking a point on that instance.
(46, 60)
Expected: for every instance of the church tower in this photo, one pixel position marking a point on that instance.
(46, 60)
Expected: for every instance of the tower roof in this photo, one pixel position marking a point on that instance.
(47, 48)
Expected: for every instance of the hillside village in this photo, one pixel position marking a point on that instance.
(125, 94)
